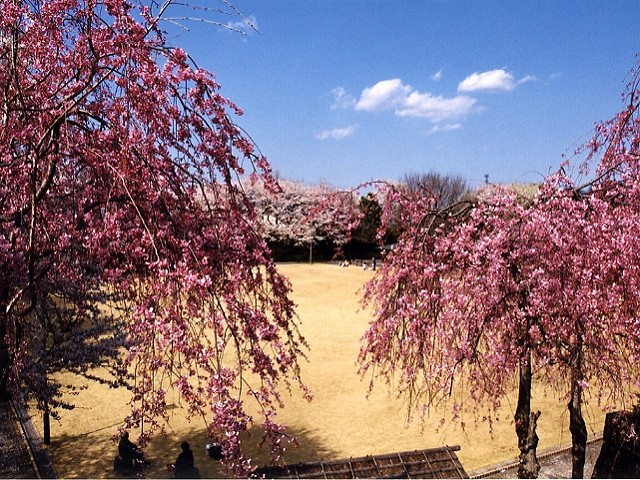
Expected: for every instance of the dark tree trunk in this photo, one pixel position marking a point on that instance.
(4, 360)
(577, 426)
(46, 425)
(4, 347)
(526, 423)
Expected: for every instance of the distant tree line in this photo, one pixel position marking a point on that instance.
(306, 222)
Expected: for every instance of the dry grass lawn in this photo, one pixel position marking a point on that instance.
(340, 422)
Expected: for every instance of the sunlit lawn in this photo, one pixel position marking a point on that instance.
(340, 422)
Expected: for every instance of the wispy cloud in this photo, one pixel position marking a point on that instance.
(408, 102)
(342, 99)
(444, 128)
(246, 25)
(438, 75)
(337, 133)
(492, 80)
(526, 79)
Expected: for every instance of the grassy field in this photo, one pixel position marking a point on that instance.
(340, 422)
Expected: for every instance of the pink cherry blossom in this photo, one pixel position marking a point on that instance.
(503, 291)
(117, 167)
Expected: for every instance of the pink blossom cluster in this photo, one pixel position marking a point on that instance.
(304, 215)
(476, 293)
(118, 161)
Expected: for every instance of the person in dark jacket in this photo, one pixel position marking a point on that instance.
(184, 465)
(129, 451)
(129, 457)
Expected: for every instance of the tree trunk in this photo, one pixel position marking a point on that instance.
(46, 425)
(4, 348)
(577, 427)
(4, 360)
(526, 423)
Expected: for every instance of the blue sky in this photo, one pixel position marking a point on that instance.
(352, 90)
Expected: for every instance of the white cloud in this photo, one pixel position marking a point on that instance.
(342, 99)
(498, 79)
(436, 109)
(246, 25)
(336, 133)
(528, 78)
(383, 95)
(408, 102)
(444, 128)
(438, 75)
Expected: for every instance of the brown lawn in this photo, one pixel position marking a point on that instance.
(340, 422)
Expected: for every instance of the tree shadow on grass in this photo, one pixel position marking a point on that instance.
(91, 454)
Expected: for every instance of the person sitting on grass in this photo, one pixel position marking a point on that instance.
(184, 466)
(129, 451)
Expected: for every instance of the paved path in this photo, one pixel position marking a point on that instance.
(553, 463)
(15, 458)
